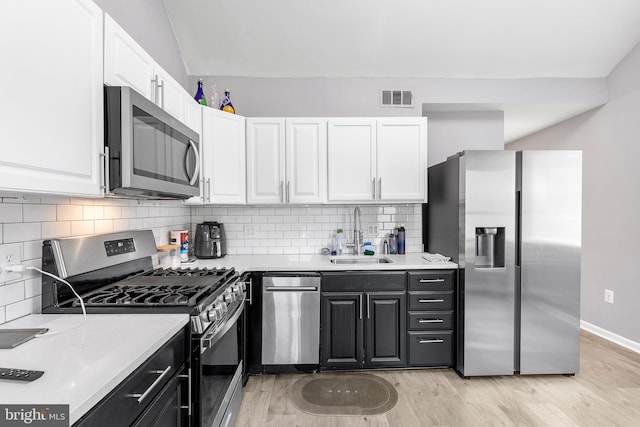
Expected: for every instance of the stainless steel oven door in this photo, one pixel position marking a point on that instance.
(218, 374)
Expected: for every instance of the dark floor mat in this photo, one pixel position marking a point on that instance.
(343, 394)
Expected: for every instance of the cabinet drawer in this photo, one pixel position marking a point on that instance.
(364, 281)
(428, 320)
(431, 280)
(430, 348)
(430, 301)
(119, 407)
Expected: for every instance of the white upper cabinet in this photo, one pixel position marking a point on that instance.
(169, 93)
(352, 159)
(51, 108)
(265, 161)
(306, 161)
(401, 146)
(286, 160)
(126, 63)
(223, 157)
(377, 160)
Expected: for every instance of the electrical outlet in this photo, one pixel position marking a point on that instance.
(250, 231)
(9, 255)
(608, 296)
(372, 229)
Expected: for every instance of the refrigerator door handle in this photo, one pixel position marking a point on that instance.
(518, 227)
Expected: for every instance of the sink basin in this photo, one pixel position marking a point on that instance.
(363, 259)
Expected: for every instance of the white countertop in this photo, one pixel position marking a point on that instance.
(413, 261)
(87, 360)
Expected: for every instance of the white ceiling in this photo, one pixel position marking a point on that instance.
(479, 39)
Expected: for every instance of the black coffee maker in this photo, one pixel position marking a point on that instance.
(210, 241)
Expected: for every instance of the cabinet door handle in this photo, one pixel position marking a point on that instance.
(368, 306)
(281, 191)
(142, 396)
(379, 188)
(208, 194)
(154, 87)
(373, 184)
(430, 321)
(104, 162)
(161, 86)
(360, 306)
(431, 280)
(435, 341)
(250, 300)
(430, 300)
(288, 186)
(189, 387)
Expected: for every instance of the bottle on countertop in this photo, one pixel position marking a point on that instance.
(215, 98)
(385, 247)
(226, 103)
(199, 97)
(393, 244)
(401, 240)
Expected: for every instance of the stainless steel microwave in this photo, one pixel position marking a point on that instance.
(149, 152)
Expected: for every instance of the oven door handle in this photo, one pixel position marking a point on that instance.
(209, 340)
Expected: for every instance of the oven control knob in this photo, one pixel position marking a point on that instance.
(242, 286)
(221, 307)
(204, 316)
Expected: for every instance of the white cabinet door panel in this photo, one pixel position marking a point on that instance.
(265, 161)
(52, 123)
(169, 93)
(306, 164)
(351, 159)
(126, 63)
(223, 137)
(401, 158)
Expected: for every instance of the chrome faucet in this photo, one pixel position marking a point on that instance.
(357, 231)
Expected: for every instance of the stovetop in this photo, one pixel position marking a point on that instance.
(160, 287)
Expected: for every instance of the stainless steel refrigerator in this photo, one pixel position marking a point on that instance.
(512, 221)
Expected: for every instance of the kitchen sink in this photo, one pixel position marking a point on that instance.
(363, 259)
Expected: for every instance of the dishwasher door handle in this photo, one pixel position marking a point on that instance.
(291, 289)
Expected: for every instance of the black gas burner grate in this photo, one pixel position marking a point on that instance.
(182, 272)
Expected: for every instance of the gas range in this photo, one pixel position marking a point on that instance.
(113, 273)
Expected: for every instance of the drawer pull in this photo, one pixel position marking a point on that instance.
(434, 341)
(430, 321)
(430, 300)
(431, 280)
(142, 396)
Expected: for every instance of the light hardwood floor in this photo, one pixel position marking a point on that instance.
(605, 393)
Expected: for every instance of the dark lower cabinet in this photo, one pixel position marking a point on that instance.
(385, 327)
(363, 320)
(341, 335)
(154, 395)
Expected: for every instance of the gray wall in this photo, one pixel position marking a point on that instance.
(299, 97)
(147, 22)
(609, 137)
(452, 132)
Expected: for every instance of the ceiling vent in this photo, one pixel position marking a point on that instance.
(396, 98)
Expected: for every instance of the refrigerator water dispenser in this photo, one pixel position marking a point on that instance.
(490, 247)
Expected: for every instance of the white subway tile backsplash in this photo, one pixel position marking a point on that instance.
(2, 315)
(92, 212)
(69, 212)
(103, 226)
(129, 212)
(11, 293)
(32, 249)
(38, 213)
(52, 230)
(112, 212)
(10, 212)
(33, 287)
(22, 308)
(82, 228)
(19, 232)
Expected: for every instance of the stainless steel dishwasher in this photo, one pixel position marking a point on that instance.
(290, 319)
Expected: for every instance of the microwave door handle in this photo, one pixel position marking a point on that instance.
(196, 172)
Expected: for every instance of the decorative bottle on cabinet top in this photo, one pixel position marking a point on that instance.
(226, 103)
(215, 98)
(200, 98)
